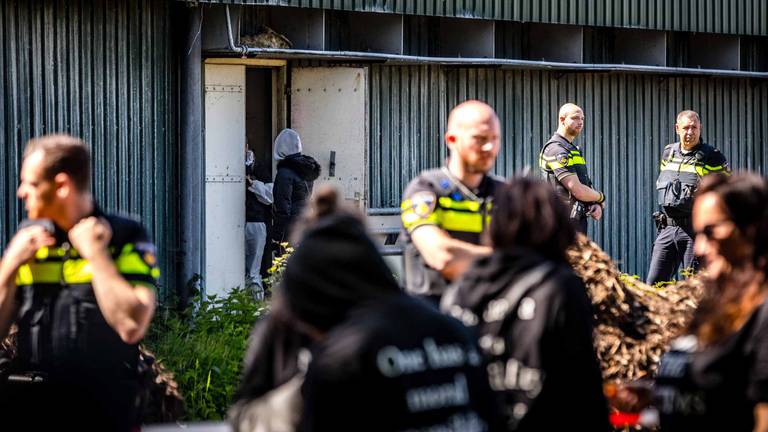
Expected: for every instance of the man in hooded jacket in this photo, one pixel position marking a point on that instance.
(293, 183)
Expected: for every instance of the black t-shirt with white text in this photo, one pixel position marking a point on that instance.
(398, 365)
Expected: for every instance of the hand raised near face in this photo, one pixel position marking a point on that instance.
(25, 243)
(90, 236)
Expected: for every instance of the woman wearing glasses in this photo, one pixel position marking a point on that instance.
(716, 377)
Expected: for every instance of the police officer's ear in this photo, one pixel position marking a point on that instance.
(63, 185)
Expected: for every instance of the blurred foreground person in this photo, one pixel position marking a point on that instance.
(80, 286)
(716, 377)
(380, 359)
(533, 315)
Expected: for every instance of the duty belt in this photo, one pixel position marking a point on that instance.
(679, 222)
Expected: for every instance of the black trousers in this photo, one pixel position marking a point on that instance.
(673, 246)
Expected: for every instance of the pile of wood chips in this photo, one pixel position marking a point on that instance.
(634, 322)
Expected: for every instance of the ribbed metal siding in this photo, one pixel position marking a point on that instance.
(629, 120)
(748, 17)
(103, 71)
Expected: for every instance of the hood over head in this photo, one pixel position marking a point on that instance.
(287, 143)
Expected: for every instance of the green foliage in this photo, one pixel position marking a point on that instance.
(204, 347)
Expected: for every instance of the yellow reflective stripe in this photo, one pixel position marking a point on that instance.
(46, 252)
(406, 204)
(461, 221)
(555, 165)
(449, 203)
(714, 168)
(412, 220)
(77, 271)
(46, 272)
(672, 166)
(576, 160)
(132, 263)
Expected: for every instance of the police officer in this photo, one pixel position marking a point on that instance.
(563, 164)
(80, 286)
(682, 166)
(445, 210)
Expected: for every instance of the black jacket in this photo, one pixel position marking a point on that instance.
(540, 348)
(255, 210)
(293, 186)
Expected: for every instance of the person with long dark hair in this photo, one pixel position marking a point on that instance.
(532, 314)
(381, 360)
(716, 376)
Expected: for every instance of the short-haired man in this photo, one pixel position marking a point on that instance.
(563, 164)
(445, 210)
(80, 287)
(682, 166)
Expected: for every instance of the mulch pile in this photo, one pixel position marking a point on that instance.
(634, 322)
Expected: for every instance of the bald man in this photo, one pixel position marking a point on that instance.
(565, 168)
(445, 210)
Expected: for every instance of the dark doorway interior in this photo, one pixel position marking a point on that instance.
(258, 113)
(259, 134)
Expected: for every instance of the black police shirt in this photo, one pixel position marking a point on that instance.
(436, 198)
(715, 388)
(397, 365)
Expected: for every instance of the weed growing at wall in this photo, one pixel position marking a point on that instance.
(204, 347)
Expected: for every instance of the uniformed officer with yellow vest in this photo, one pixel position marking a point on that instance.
(563, 164)
(445, 210)
(80, 287)
(683, 164)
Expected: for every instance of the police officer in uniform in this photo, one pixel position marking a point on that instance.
(564, 166)
(445, 210)
(682, 166)
(80, 287)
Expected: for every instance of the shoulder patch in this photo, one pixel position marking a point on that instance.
(423, 203)
(562, 159)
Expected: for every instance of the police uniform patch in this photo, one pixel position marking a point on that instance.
(423, 203)
(563, 159)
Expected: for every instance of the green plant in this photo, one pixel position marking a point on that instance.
(204, 346)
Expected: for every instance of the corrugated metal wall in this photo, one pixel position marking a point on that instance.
(748, 17)
(101, 70)
(629, 119)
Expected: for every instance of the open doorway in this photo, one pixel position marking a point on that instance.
(244, 108)
(260, 130)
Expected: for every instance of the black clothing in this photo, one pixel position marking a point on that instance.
(293, 186)
(715, 388)
(673, 246)
(397, 364)
(335, 267)
(559, 158)
(437, 198)
(534, 320)
(63, 334)
(255, 210)
(678, 179)
(271, 359)
(680, 174)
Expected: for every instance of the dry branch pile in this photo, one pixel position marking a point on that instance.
(634, 321)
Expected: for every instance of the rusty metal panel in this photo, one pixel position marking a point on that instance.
(629, 120)
(746, 17)
(101, 70)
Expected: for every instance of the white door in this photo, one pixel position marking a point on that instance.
(224, 178)
(328, 110)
